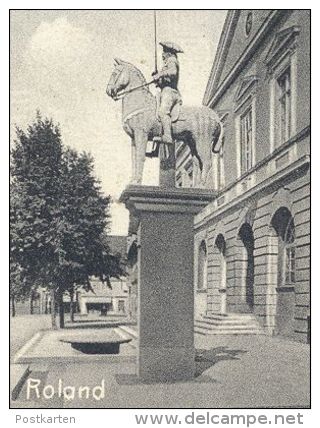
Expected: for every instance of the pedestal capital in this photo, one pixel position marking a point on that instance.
(177, 200)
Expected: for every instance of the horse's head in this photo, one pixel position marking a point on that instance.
(119, 78)
(124, 76)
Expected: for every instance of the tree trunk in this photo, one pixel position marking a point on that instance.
(61, 309)
(13, 307)
(46, 304)
(53, 309)
(71, 292)
(31, 303)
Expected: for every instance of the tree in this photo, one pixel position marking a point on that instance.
(22, 285)
(36, 173)
(83, 223)
(59, 215)
(17, 286)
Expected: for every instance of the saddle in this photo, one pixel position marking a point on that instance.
(176, 113)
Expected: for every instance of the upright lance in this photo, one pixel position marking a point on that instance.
(155, 42)
(120, 95)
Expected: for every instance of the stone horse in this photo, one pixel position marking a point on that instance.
(198, 127)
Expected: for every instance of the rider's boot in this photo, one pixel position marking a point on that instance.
(155, 149)
(166, 127)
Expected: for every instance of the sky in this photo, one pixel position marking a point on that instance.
(61, 61)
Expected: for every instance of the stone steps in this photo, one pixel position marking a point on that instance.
(227, 333)
(229, 326)
(228, 317)
(226, 323)
(219, 324)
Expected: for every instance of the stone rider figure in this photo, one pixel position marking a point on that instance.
(167, 80)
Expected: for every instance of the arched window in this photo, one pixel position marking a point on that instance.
(202, 266)
(283, 224)
(284, 249)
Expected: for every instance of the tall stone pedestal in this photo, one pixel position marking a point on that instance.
(165, 282)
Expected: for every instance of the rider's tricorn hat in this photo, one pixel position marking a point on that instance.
(171, 47)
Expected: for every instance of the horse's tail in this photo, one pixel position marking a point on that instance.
(217, 137)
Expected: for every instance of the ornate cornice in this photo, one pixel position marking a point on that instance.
(214, 92)
(282, 40)
(223, 46)
(246, 84)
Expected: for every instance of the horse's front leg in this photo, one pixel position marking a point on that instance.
(140, 142)
(133, 160)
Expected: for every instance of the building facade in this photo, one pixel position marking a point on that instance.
(104, 300)
(252, 243)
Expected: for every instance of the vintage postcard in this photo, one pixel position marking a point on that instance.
(160, 211)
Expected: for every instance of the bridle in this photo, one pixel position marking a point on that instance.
(119, 70)
(120, 95)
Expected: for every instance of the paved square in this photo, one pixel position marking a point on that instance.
(231, 372)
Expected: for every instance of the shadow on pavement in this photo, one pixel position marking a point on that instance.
(206, 358)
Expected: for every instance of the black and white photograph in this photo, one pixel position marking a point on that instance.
(160, 210)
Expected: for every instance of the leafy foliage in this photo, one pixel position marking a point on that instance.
(59, 216)
(36, 174)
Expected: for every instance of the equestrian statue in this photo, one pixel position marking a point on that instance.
(163, 119)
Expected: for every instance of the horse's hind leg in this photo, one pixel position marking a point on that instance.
(205, 172)
(196, 171)
(197, 162)
(205, 155)
(202, 161)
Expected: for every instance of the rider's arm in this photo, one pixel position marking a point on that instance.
(170, 69)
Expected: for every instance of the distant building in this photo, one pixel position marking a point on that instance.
(104, 300)
(119, 300)
(252, 243)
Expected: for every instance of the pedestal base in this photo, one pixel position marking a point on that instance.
(163, 364)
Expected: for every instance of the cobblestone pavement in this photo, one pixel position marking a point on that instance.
(231, 371)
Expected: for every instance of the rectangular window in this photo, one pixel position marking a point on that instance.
(246, 149)
(284, 100)
(290, 265)
(121, 307)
